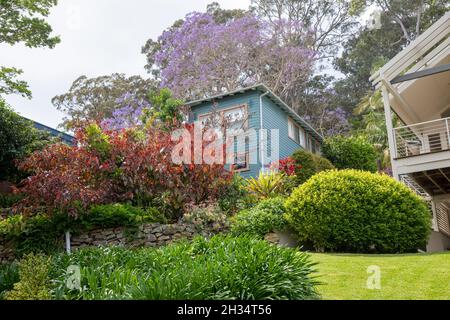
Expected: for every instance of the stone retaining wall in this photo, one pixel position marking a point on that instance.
(147, 235)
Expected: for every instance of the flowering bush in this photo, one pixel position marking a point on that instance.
(113, 166)
(288, 166)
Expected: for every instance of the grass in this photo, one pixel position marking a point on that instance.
(403, 276)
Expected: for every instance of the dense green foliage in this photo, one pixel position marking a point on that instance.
(356, 211)
(235, 196)
(18, 138)
(21, 21)
(308, 164)
(350, 153)
(368, 49)
(114, 215)
(7, 200)
(34, 283)
(43, 233)
(262, 219)
(219, 268)
(34, 234)
(9, 275)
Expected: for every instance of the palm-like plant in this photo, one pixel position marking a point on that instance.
(267, 185)
(373, 124)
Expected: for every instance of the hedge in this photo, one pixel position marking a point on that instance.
(357, 211)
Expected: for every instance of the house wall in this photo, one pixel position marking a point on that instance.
(251, 99)
(273, 118)
(438, 242)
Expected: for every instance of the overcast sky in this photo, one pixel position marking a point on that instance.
(98, 37)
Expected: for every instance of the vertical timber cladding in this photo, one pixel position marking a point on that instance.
(443, 218)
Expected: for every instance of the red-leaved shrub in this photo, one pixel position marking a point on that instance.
(287, 166)
(128, 165)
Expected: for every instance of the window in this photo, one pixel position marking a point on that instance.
(318, 151)
(313, 146)
(230, 121)
(241, 162)
(234, 118)
(296, 132)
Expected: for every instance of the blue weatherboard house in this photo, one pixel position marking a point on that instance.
(257, 107)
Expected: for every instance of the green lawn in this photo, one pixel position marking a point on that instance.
(409, 276)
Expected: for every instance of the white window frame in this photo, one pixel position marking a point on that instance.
(221, 113)
(247, 165)
(299, 138)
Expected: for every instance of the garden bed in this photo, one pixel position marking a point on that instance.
(145, 235)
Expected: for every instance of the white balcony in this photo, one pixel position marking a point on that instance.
(422, 138)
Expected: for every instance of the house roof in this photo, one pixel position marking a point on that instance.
(66, 138)
(272, 96)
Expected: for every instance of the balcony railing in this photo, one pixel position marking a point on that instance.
(422, 138)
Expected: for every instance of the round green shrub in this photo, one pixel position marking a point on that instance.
(350, 153)
(262, 219)
(357, 211)
(308, 164)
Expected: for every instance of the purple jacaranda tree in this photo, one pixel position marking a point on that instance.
(127, 114)
(330, 122)
(202, 57)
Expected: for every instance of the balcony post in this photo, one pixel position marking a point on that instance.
(448, 134)
(390, 130)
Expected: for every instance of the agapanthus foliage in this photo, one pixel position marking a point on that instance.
(202, 57)
(113, 166)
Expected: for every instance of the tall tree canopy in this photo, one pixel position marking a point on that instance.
(329, 21)
(95, 99)
(203, 57)
(23, 22)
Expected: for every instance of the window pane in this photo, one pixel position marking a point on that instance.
(240, 161)
(235, 118)
(302, 137)
(291, 129)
